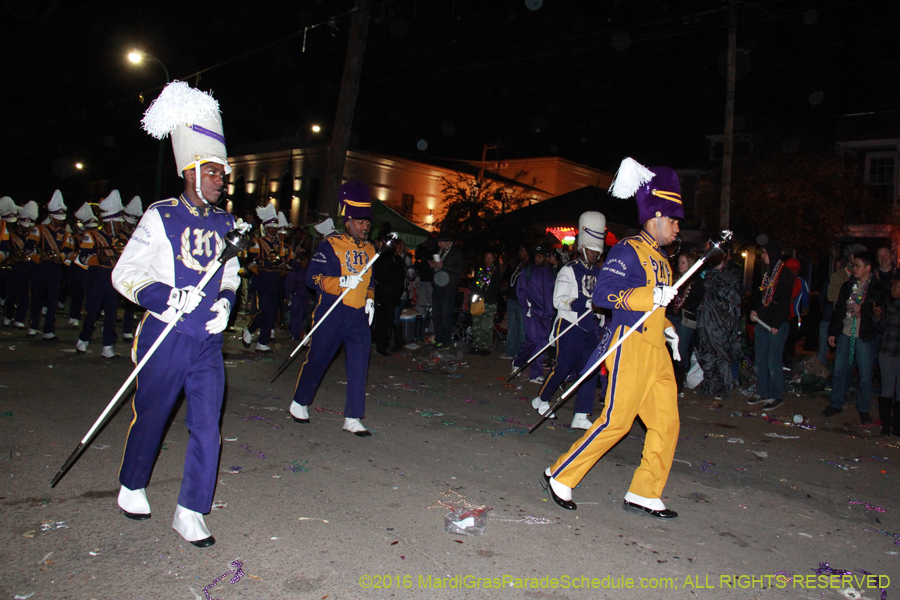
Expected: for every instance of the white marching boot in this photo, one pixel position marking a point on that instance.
(134, 503)
(356, 427)
(299, 412)
(81, 347)
(542, 407)
(191, 526)
(109, 352)
(580, 421)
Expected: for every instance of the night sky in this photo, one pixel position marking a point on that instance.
(591, 81)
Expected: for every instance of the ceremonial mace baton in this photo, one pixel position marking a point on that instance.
(714, 248)
(236, 241)
(550, 343)
(387, 245)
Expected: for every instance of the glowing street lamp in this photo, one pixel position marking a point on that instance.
(79, 166)
(316, 129)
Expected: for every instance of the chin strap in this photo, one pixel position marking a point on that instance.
(197, 183)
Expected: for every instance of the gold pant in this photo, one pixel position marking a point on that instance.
(641, 384)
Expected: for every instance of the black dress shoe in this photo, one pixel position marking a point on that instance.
(830, 411)
(383, 351)
(865, 417)
(566, 504)
(296, 420)
(136, 516)
(205, 542)
(657, 514)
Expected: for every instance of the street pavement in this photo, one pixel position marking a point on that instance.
(313, 512)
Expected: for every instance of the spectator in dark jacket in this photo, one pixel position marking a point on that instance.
(852, 334)
(719, 346)
(389, 273)
(889, 361)
(448, 264)
(682, 312)
(772, 313)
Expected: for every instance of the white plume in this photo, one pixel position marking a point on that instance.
(178, 104)
(630, 176)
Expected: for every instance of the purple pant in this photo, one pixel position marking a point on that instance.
(345, 326)
(572, 353)
(299, 312)
(537, 334)
(180, 363)
(101, 295)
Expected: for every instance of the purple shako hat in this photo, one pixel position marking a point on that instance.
(354, 201)
(661, 196)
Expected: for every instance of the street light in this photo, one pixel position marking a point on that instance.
(137, 57)
(79, 166)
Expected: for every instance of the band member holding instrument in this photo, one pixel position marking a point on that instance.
(19, 282)
(47, 247)
(268, 257)
(99, 254)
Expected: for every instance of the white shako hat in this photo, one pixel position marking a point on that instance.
(591, 231)
(111, 208)
(325, 227)
(192, 118)
(57, 208)
(28, 214)
(9, 212)
(283, 223)
(134, 211)
(267, 217)
(85, 215)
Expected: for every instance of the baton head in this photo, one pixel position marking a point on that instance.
(715, 247)
(236, 241)
(389, 243)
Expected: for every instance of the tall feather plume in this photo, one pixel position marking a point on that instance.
(630, 176)
(178, 104)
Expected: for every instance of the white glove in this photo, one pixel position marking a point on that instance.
(601, 317)
(218, 323)
(528, 313)
(589, 304)
(185, 299)
(350, 281)
(370, 310)
(672, 339)
(663, 294)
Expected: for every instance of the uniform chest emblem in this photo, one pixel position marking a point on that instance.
(197, 244)
(355, 260)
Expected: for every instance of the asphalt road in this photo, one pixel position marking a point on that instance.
(312, 512)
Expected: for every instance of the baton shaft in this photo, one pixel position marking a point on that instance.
(550, 343)
(159, 340)
(308, 336)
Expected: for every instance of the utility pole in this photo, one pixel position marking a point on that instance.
(728, 137)
(343, 119)
(484, 150)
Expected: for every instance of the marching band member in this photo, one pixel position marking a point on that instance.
(572, 296)
(48, 246)
(99, 254)
(336, 266)
(176, 242)
(268, 259)
(19, 286)
(635, 278)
